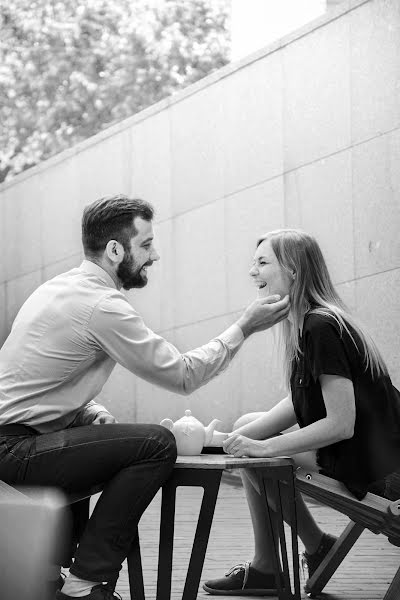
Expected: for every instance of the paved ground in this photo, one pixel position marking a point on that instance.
(364, 575)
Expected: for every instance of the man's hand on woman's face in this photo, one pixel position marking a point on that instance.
(240, 446)
(263, 313)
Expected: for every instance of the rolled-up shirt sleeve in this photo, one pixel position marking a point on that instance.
(121, 333)
(87, 414)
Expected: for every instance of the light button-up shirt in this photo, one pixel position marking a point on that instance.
(67, 338)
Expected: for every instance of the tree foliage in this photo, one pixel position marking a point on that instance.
(69, 68)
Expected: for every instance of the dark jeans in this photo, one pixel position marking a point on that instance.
(131, 462)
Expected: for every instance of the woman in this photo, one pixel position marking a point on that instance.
(340, 395)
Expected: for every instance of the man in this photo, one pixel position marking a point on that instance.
(64, 343)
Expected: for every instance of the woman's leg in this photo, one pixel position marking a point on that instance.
(308, 530)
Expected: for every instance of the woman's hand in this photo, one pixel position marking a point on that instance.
(239, 446)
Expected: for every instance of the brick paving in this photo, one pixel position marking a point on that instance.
(364, 575)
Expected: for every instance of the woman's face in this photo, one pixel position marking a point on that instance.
(267, 273)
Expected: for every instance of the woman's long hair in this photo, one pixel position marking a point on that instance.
(313, 291)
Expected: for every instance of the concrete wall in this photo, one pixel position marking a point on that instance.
(305, 133)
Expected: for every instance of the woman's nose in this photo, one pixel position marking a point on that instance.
(253, 271)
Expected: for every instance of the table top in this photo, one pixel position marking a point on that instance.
(224, 461)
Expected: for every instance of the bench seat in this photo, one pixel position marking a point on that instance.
(372, 512)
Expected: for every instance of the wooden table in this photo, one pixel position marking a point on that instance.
(206, 471)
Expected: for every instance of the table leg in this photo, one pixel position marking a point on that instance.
(211, 487)
(276, 478)
(291, 483)
(209, 479)
(135, 572)
(166, 545)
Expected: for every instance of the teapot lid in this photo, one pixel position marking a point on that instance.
(189, 418)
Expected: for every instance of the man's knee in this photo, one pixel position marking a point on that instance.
(166, 439)
(245, 419)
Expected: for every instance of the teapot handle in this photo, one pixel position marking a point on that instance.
(168, 423)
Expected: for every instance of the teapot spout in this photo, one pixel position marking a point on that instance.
(209, 430)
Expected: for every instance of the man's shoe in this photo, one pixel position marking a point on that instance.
(99, 592)
(312, 561)
(242, 580)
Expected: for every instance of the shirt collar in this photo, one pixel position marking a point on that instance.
(90, 267)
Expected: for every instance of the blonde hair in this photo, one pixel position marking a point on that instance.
(313, 291)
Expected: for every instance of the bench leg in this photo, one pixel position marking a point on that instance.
(393, 592)
(333, 559)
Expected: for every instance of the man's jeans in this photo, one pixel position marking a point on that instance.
(131, 462)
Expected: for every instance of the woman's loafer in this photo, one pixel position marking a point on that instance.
(312, 561)
(242, 580)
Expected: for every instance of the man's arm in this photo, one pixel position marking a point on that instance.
(120, 331)
(92, 414)
(262, 314)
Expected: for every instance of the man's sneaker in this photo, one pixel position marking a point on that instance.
(242, 580)
(99, 592)
(312, 561)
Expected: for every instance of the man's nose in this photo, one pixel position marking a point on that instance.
(154, 255)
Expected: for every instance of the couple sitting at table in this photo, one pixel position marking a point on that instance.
(62, 348)
(67, 338)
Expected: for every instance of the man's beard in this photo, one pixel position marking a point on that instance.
(129, 274)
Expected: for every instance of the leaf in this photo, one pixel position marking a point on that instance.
(68, 71)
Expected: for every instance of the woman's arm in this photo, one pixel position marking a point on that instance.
(280, 417)
(338, 394)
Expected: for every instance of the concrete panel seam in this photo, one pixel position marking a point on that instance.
(43, 267)
(376, 273)
(282, 174)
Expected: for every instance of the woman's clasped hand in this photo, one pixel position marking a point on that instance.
(241, 446)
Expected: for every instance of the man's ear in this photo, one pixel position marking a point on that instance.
(114, 251)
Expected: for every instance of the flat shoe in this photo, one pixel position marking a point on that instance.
(242, 580)
(312, 561)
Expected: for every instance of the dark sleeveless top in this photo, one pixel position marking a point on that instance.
(374, 450)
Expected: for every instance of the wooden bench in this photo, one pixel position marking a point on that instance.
(373, 512)
(29, 531)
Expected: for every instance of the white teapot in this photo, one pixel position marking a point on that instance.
(191, 435)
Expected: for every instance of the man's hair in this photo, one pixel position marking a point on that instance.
(111, 218)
